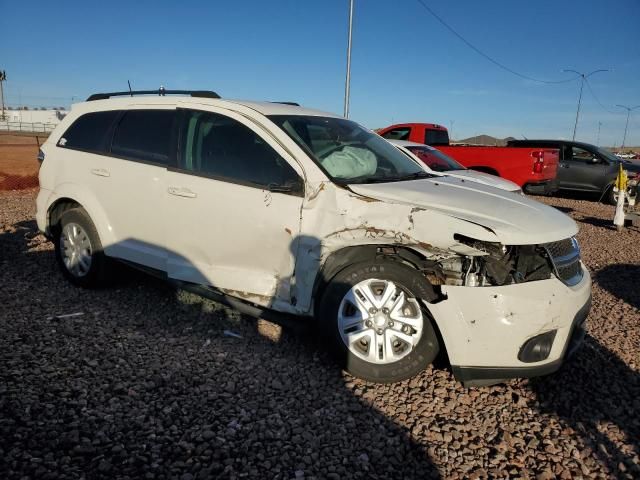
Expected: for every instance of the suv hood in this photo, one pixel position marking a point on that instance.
(513, 218)
(485, 179)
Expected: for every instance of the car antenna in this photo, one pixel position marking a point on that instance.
(130, 91)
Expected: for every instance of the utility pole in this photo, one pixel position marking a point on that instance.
(626, 125)
(451, 122)
(3, 78)
(583, 77)
(348, 79)
(598, 137)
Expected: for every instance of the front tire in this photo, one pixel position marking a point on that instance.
(372, 315)
(78, 250)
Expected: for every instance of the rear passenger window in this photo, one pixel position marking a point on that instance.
(221, 147)
(89, 132)
(144, 135)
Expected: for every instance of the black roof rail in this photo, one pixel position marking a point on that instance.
(289, 103)
(161, 92)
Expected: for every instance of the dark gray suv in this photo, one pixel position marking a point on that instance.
(584, 167)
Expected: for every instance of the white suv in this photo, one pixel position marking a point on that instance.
(283, 211)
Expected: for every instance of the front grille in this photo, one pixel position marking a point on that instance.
(565, 256)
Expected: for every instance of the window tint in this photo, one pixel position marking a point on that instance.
(436, 137)
(89, 132)
(222, 147)
(144, 135)
(398, 134)
(435, 159)
(581, 155)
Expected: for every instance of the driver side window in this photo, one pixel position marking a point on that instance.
(581, 155)
(222, 148)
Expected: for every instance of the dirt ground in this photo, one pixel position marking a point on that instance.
(139, 380)
(18, 160)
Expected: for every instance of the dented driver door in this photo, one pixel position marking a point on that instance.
(233, 204)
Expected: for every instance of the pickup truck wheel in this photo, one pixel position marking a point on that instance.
(375, 322)
(78, 250)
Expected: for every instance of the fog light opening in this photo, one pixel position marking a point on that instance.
(537, 348)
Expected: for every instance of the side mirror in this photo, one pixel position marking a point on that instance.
(595, 160)
(290, 186)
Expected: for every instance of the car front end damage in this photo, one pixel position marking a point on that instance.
(511, 292)
(515, 311)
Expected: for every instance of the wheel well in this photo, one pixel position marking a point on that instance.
(488, 170)
(344, 257)
(607, 193)
(57, 209)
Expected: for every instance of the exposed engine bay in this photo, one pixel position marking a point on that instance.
(495, 265)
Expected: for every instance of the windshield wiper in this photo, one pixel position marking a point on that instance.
(369, 179)
(412, 176)
(388, 178)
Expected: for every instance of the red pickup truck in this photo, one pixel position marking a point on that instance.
(533, 169)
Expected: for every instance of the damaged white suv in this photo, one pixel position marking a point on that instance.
(291, 213)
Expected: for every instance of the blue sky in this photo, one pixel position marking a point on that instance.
(405, 66)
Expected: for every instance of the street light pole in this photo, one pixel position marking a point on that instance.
(626, 125)
(583, 77)
(348, 79)
(598, 137)
(3, 78)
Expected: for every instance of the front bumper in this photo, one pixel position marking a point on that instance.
(479, 376)
(484, 328)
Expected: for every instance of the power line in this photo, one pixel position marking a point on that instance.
(47, 97)
(629, 110)
(481, 53)
(593, 94)
(583, 78)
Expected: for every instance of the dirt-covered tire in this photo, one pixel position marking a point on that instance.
(78, 250)
(372, 316)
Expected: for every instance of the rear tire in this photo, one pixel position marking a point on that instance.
(373, 318)
(78, 250)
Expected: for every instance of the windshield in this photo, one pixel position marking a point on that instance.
(347, 152)
(435, 159)
(608, 155)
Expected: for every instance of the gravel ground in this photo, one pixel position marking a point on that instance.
(145, 384)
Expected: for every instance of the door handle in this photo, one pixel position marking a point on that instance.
(101, 172)
(182, 192)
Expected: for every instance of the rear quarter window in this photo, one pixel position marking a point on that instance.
(90, 132)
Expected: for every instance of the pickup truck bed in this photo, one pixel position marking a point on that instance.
(534, 169)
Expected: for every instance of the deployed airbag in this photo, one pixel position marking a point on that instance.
(350, 162)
